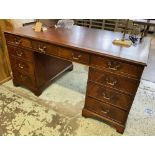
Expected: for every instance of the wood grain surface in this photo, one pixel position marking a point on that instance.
(90, 40)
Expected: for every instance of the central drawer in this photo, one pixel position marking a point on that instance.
(106, 110)
(112, 80)
(24, 79)
(74, 55)
(110, 96)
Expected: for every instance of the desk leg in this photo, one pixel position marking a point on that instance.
(89, 114)
(120, 129)
(15, 83)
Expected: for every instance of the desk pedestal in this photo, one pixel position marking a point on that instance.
(43, 71)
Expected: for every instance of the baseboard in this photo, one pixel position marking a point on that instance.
(5, 80)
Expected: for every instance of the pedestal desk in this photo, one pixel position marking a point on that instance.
(37, 58)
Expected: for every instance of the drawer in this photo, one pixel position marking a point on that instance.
(17, 40)
(115, 81)
(80, 57)
(24, 79)
(117, 66)
(110, 96)
(65, 53)
(45, 48)
(74, 55)
(22, 66)
(106, 110)
(21, 53)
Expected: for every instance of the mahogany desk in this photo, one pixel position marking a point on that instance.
(114, 71)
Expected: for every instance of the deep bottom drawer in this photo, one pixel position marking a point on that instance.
(106, 110)
(24, 79)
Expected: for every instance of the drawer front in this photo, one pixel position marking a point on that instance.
(80, 57)
(74, 55)
(18, 41)
(45, 48)
(117, 66)
(21, 53)
(22, 66)
(24, 79)
(106, 110)
(65, 53)
(109, 95)
(116, 81)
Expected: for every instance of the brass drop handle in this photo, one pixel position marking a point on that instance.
(42, 50)
(19, 53)
(21, 66)
(112, 83)
(76, 57)
(17, 41)
(105, 111)
(105, 97)
(113, 66)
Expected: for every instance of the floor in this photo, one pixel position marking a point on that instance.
(149, 71)
(58, 110)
